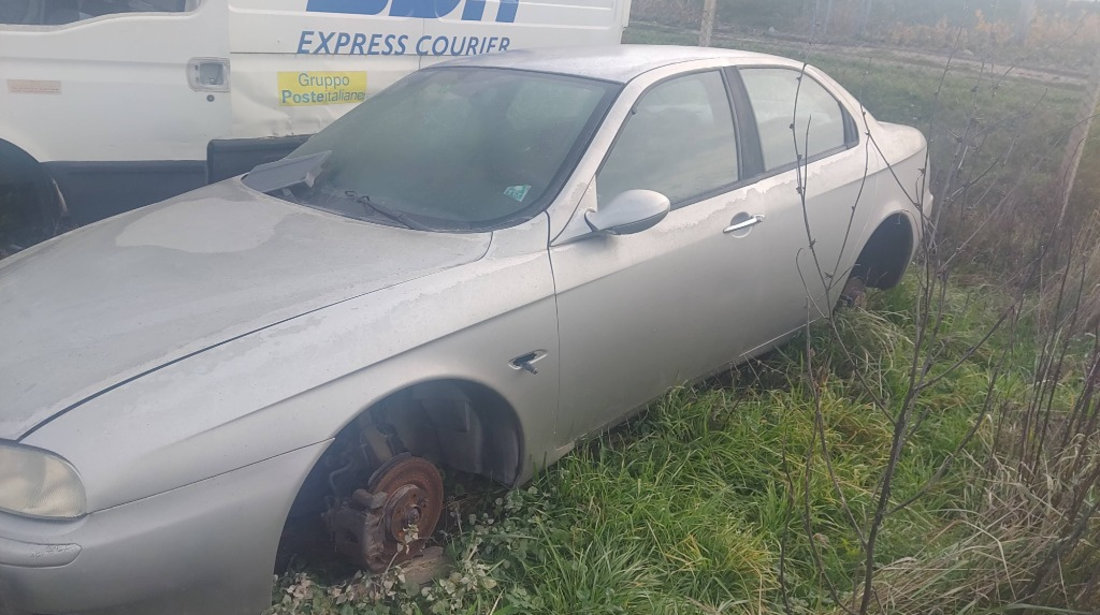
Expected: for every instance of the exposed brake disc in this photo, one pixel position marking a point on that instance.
(389, 521)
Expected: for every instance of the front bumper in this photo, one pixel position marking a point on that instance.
(208, 548)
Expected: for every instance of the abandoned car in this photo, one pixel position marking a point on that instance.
(467, 273)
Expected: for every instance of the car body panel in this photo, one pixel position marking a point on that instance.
(205, 548)
(641, 313)
(166, 281)
(299, 381)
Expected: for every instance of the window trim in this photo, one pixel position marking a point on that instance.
(851, 134)
(741, 180)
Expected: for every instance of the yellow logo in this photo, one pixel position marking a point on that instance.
(322, 88)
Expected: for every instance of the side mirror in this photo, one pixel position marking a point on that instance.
(631, 212)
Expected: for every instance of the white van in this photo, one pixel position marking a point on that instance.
(107, 105)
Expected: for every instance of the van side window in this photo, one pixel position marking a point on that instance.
(680, 141)
(56, 12)
(773, 93)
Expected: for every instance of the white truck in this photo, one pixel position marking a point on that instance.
(107, 105)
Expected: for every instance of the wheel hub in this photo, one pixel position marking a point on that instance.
(390, 521)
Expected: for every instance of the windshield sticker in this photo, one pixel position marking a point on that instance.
(322, 88)
(517, 193)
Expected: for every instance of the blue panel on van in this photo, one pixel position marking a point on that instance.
(424, 9)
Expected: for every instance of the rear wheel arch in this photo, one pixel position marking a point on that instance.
(886, 253)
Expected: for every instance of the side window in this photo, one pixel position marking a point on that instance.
(773, 93)
(55, 12)
(680, 141)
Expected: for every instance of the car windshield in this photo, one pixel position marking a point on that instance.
(454, 149)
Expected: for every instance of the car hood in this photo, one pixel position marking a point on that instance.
(112, 301)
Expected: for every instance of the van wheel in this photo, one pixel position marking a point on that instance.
(31, 206)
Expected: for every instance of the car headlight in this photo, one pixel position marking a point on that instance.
(36, 483)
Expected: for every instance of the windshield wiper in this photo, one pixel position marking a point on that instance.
(285, 173)
(392, 214)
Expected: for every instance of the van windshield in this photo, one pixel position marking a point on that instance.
(457, 149)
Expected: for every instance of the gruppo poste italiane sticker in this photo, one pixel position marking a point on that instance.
(322, 87)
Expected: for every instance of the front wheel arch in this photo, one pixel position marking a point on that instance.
(459, 425)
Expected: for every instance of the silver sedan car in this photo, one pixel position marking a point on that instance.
(467, 273)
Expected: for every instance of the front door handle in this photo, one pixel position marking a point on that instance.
(744, 224)
(526, 362)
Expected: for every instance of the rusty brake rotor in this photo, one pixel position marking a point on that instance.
(415, 499)
(373, 527)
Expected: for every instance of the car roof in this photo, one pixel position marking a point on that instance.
(619, 63)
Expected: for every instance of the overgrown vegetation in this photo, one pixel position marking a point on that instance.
(1047, 32)
(938, 452)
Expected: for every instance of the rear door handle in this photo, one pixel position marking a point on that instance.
(744, 224)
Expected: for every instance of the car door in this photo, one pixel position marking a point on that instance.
(817, 164)
(640, 313)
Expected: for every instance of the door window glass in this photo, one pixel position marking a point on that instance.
(680, 141)
(55, 12)
(773, 93)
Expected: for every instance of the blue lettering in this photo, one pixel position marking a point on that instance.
(357, 44)
(286, 95)
(426, 9)
(362, 44)
(421, 50)
(306, 41)
(474, 10)
(323, 43)
(437, 50)
(504, 42)
(342, 40)
(354, 7)
(506, 13)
